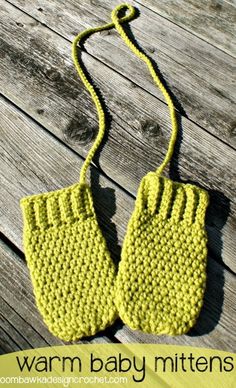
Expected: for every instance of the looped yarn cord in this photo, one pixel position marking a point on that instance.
(162, 273)
(72, 273)
(161, 278)
(117, 23)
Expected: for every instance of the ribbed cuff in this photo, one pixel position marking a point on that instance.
(57, 207)
(172, 200)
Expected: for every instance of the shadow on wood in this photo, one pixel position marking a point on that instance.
(214, 294)
(106, 196)
(216, 217)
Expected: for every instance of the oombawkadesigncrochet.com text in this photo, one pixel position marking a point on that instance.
(134, 366)
(64, 381)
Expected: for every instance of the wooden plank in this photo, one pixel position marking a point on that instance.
(213, 21)
(39, 163)
(7, 344)
(21, 324)
(220, 241)
(33, 161)
(15, 326)
(49, 90)
(199, 75)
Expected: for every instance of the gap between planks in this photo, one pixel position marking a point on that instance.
(221, 336)
(195, 12)
(138, 152)
(20, 169)
(207, 100)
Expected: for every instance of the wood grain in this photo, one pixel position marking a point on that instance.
(48, 89)
(213, 21)
(34, 161)
(199, 75)
(20, 331)
(7, 344)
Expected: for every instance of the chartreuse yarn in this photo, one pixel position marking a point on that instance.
(72, 273)
(161, 279)
(162, 273)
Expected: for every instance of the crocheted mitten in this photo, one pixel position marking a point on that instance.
(162, 273)
(71, 269)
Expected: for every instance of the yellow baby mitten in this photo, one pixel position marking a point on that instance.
(162, 273)
(72, 273)
(71, 269)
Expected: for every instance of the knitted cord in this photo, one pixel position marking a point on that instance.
(117, 23)
(90, 88)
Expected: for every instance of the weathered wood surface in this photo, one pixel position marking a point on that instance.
(212, 20)
(49, 90)
(37, 75)
(199, 74)
(33, 161)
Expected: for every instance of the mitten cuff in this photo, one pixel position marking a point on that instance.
(57, 207)
(172, 200)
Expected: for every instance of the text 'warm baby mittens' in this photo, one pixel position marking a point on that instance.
(162, 273)
(71, 269)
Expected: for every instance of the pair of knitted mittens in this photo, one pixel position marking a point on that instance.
(161, 277)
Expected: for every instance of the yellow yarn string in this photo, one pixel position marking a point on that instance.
(92, 91)
(116, 22)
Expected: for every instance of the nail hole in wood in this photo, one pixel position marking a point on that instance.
(20, 24)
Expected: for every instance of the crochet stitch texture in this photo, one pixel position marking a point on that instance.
(162, 273)
(72, 273)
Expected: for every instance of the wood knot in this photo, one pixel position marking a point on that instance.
(215, 5)
(232, 130)
(79, 131)
(20, 24)
(40, 111)
(52, 74)
(149, 129)
(151, 49)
